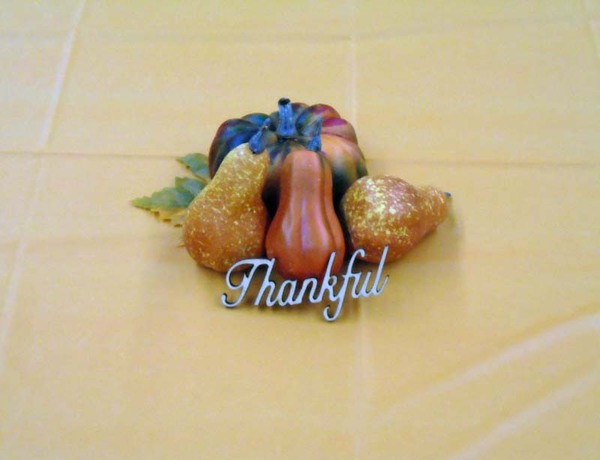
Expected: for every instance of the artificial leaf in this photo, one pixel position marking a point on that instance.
(197, 163)
(170, 203)
(189, 184)
(167, 198)
(175, 216)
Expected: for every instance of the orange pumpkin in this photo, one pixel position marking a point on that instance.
(292, 128)
(305, 230)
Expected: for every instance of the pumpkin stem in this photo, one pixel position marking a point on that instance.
(315, 143)
(257, 143)
(286, 120)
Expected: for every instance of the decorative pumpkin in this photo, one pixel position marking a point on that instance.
(305, 229)
(290, 129)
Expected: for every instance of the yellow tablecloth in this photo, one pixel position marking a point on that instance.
(484, 344)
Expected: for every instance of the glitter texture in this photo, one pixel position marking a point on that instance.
(227, 221)
(384, 211)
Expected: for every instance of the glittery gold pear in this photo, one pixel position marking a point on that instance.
(227, 221)
(384, 211)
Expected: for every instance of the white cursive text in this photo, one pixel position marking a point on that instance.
(293, 292)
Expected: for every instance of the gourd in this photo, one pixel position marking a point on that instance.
(292, 128)
(305, 230)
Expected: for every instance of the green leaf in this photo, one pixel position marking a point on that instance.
(167, 198)
(197, 163)
(171, 203)
(189, 184)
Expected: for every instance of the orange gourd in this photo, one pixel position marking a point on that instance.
(305, 230)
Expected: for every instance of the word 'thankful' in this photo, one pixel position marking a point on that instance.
(293, 292)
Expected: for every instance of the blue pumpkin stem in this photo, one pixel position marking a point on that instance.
(315, 143)
(257, 143)
(286, 119)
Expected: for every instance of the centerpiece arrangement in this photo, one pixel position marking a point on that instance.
(294, 186)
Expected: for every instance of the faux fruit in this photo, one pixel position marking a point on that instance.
(227, 221)
(301, 166)
(384, 211)
(305, 229)
(291, 128)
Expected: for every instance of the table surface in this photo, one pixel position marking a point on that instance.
(484, 344)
